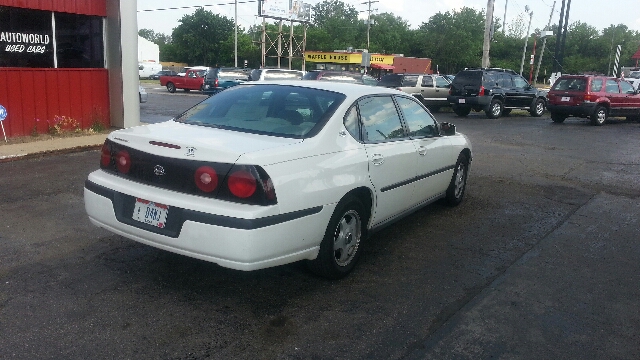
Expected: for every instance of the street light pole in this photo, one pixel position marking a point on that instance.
(236, 36)
(526, 39)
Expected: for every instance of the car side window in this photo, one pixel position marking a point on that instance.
(626, 87)
(352, 124)
(427, 81)
(612, 87)
(520, 82)
(419, 121)
(596, 85)
(410, 80)
(442, 83)
(380, 119)
(505, 81)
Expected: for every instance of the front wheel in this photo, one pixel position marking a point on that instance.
(599, 116)
(455, 191)
(171, 88)
(537, 109)
(495, 109)
(461, 110)
(340, 247)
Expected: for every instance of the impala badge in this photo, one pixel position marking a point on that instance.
(191, 151)
(158, 170)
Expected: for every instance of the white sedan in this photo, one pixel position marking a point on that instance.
(265, 174)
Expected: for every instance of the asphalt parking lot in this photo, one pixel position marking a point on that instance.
(541, 261)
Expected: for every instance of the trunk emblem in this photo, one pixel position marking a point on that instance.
(158, 170)
(191, 151)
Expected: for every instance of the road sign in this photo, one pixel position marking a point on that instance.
(3, 115)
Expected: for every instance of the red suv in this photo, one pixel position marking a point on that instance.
(593, 97)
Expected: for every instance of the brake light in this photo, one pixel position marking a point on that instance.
(481, 92)
(123, 161)
(591, 97)
(242, 184)
(105, 156)
(215, 83)
(206, 178)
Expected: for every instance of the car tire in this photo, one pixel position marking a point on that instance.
(187, 90)
(495, 109)
(537, 109)
(599, 116)
(633, 118)
(461, 110)
(458, 184)
(558, 118)
(171, 87)
(341, 246)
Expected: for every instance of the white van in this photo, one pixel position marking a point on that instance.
(146, 69)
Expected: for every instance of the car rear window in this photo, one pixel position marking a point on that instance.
(391, 80)
(468, 78)
(287, 111)
(570, 84)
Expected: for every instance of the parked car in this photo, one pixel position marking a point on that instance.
(341, 76)
(593, 97)
(431, 89)
(634, 79)
(142, 93)
(192, 80)
(275, 74)
(218, 79)
(157, 75)
(494, 91)
(265, 174)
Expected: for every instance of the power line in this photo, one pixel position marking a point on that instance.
(201, 6)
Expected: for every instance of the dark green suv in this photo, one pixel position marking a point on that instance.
(494, 91)
(218, 79)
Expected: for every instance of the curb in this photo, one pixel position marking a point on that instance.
(75, 149)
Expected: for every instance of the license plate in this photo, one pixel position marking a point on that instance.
(150, 213)
(565, 98)
(461, 101)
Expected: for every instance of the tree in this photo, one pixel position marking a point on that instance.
(156, 38)
(389, 34)
(339, 22)
(202, 38)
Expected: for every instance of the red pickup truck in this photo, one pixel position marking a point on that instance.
(192, 80)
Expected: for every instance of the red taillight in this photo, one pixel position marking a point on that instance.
(215, 84)
(105, 157)
(123, 161)
(206, 178)
(481, 92)
(591, 97)
(242, 184)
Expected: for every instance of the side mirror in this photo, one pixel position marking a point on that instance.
(447, 128)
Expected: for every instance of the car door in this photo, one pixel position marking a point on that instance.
(631, 99)
(522, 94)
(616, 98)
(391, 156)
(434, 158)
(427, 89)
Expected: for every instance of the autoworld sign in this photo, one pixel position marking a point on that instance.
(26, 38)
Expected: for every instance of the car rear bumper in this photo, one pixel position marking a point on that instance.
(475, 101)
(581, 110)
(247, 243)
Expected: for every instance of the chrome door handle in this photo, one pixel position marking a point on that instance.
(422, 150)
(377, 159)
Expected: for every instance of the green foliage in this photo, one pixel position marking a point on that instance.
(453, 40)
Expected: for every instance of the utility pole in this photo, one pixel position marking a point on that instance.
(369, 18)
(236, 36)
(486, 45)
(504, 19)
(526, 38)
(556, 67)
(544, 43)
(564, 35)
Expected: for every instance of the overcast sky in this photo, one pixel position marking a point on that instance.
(597, 13)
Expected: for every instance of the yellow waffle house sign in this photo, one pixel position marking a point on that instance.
(345, 58)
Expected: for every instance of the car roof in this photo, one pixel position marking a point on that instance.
(349, 89)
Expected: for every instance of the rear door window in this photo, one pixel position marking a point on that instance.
(596, 85)
(612, 87)
(410, 80)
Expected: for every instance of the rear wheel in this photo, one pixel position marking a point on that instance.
(340, 248)
(495, 109)
(557, 118)
(461, 110)
(537, 109)
(599, 116)
(455, 191)
(171, 87)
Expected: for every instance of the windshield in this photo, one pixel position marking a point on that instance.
(635, 75)
(278, 110)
